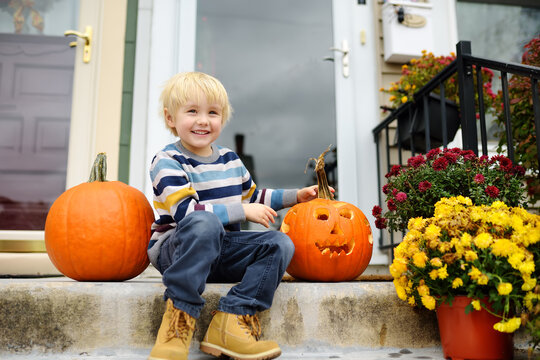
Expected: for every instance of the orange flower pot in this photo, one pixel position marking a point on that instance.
(471, 336)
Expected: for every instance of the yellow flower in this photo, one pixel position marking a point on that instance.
(392, 98)
(420, 259)
(400, 290)
(429, 302)
(483, 240)
(504, 288)
(528, 283)
(457, 283)
(508, 326)
(528, 299)
(412, 301)
(443, 273)
(404, 67)
(436, 262)
(515, 260)
(466, 240)
(502, 247)
(476, 305)
(482, 280)
(433, 231)
(474, 273)
(433, 274)
(398, 267)
(526, 267)
(414, 87)
(423, 290)
(471, 255)
(403, 99)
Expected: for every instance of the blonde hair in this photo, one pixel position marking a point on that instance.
(186, 86)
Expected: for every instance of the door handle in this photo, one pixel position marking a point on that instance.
(344, 50)
(87, 37)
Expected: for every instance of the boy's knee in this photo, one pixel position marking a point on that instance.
(285, 244)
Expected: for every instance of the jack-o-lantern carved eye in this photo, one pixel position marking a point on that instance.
(346, 213)
(321, 214)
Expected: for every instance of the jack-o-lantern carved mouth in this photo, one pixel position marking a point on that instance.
(337, 242)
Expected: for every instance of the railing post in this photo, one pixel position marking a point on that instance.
(466, 98)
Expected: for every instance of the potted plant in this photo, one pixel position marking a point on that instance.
(524, 131)
(413, 190)
(482, 259)
(413, 77)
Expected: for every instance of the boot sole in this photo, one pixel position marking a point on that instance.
(217, 351)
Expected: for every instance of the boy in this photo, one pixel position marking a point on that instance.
(202, 192)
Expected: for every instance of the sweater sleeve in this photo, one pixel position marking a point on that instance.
(276, 199)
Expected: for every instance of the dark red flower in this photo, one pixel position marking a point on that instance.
(401, 196)
(424, 186)
(416, 161)
(492, 191)
(432, 153)
(391, 205)
(479, 178)
(440, 164)
(380, 223)
(451, 157)
(506, 164)
(377, 211)
(385, 188)
(520, 170)
(394, 171)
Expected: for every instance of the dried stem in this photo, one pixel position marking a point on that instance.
(99, 169)
(322, 182)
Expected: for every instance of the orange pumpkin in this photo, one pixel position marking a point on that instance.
(99, 230)
(332, 238)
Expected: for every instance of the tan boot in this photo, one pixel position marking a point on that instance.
(237, 336)
(174, 335)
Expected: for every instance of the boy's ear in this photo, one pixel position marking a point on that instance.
(168, 117)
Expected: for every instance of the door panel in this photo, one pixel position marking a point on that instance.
(282, 90)
(35, 82)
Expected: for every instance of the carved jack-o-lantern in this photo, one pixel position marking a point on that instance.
(333, 239)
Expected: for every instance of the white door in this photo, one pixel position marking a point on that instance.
(291, 95)
(50, 100)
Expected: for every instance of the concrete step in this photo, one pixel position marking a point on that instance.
(58, 318)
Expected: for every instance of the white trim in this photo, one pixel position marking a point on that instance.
(17, 235)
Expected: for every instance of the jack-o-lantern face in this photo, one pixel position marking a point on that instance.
(333, 240)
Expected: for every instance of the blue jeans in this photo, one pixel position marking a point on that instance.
(201, 251)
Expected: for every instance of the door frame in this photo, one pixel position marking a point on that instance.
(96, 106)
(166, 45)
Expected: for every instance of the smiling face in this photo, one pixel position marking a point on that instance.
(198, 123)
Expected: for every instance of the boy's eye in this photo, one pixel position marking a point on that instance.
(214, 112)
(192, 111)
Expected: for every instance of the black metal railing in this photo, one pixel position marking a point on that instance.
(470, 104)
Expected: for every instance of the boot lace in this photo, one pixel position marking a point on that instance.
(181, 325)
(251, 324)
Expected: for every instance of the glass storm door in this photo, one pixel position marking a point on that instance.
(36, 79)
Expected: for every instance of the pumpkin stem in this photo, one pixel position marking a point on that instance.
(322, 182)
(99, 169)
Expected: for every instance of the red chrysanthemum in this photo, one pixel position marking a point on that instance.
(424, 186)
(492, 191)
(401, 196)
(440, 164)
(479, 178)
(377, 211)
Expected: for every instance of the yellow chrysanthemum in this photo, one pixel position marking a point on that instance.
(516, 259)
(483, 280)
(528, 283)
(476, 305)
(433, 274)
(471, 255)
(436, 262)
(423, 290)
(508, 326)
(416, 223)
(503, 247)
(457, 283)
(429, 302)
(412, 301)
(400, 290)
(403, 99)
(443, 272)
(398, 267)
(526, 267)
(466, 240)
(433, 231)
(483, 240)
(420, 259)
(474, 273)
(504, 288)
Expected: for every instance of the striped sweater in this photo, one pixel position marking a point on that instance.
(184, 182)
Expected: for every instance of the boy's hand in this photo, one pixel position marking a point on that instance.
(259, 213)
(309, 193)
